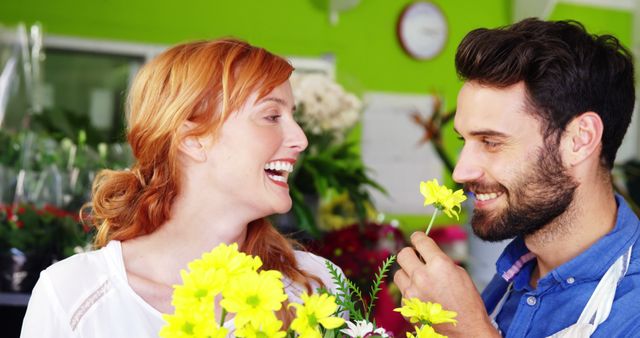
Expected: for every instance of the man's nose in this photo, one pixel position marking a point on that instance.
(468, 168)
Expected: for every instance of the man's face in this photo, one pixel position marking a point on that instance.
(517, 177)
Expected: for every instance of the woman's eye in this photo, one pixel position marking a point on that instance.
(273, 117)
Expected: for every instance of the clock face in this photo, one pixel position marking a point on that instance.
(422, 30)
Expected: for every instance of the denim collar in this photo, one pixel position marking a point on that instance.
(516, 262)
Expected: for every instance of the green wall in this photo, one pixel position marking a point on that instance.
(368, 56)
(367, 53)
(598, 20)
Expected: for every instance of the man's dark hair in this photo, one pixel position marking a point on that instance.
(566, 72)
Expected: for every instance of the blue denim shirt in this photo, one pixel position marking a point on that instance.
(560, 296)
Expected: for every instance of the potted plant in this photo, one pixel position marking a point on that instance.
(33, 238)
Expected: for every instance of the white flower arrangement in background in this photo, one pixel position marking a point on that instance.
(331, 163)
(325, 109)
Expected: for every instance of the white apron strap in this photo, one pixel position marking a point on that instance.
(498, 307)
(599, 305)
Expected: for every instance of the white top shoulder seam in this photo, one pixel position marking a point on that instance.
(90, 301)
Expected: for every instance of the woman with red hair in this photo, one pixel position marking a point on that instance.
(211, 127)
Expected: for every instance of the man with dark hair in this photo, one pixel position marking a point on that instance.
(542, 112)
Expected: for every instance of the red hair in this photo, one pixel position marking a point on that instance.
(202, 82)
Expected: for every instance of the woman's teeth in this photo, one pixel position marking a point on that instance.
(278, 170)
(279, 165)
(277, 178)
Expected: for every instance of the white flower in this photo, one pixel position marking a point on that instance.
(360, 329)
(381, 332)
(80, 249)
(324, 106)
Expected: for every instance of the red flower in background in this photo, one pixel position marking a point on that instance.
(31, 228)
(11, 216)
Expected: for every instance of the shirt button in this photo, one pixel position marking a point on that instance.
(531, 300)
(570, 280)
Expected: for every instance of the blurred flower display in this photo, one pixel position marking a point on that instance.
(40, 169)
(32, 238)
(332, 162)
(43, 183)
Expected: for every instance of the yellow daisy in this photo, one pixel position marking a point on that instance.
(426, 313)
(254, 296)
(442, 197)
(425, 331)
(316, 310)
(229, 260)
(267, 329)
(198, 288)
(188, 323)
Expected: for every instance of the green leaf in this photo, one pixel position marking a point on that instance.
(380, 276)
(344, 298)
(330, 333)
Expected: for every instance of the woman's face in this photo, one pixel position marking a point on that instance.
(255, 151)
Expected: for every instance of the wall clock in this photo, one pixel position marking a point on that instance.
(422, 30)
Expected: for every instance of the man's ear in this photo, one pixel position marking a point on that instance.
(583, 138)
(190, 145)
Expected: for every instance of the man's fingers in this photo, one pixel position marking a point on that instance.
(404, 283)
(408, 260)
(402, 280)
(425, 246)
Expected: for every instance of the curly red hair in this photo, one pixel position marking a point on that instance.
(202, 82)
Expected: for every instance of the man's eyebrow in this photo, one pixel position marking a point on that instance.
(484, 132)
(276, 100)
(488, 132)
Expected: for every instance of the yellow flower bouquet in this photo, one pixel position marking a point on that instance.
(226, 281)
(254, 295)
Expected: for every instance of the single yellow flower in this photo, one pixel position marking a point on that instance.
(316, 310)
(431, 191)
(426, 313)
(452, 202)
(267, 329)
(229, 260)
(425, 331)
(198, 288)
(254, 296)
(442, 197)
(186, 323)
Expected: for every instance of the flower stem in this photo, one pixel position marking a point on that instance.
(223, 315)
(433, 217)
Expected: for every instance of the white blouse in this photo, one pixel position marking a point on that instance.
(88, 295)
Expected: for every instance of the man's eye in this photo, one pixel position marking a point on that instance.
(490, 144)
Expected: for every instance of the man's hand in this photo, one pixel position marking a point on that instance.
(436, 278)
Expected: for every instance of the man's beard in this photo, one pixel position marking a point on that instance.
(538, 197)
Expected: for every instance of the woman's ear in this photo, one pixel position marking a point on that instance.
(583, 138)
(190, 145)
